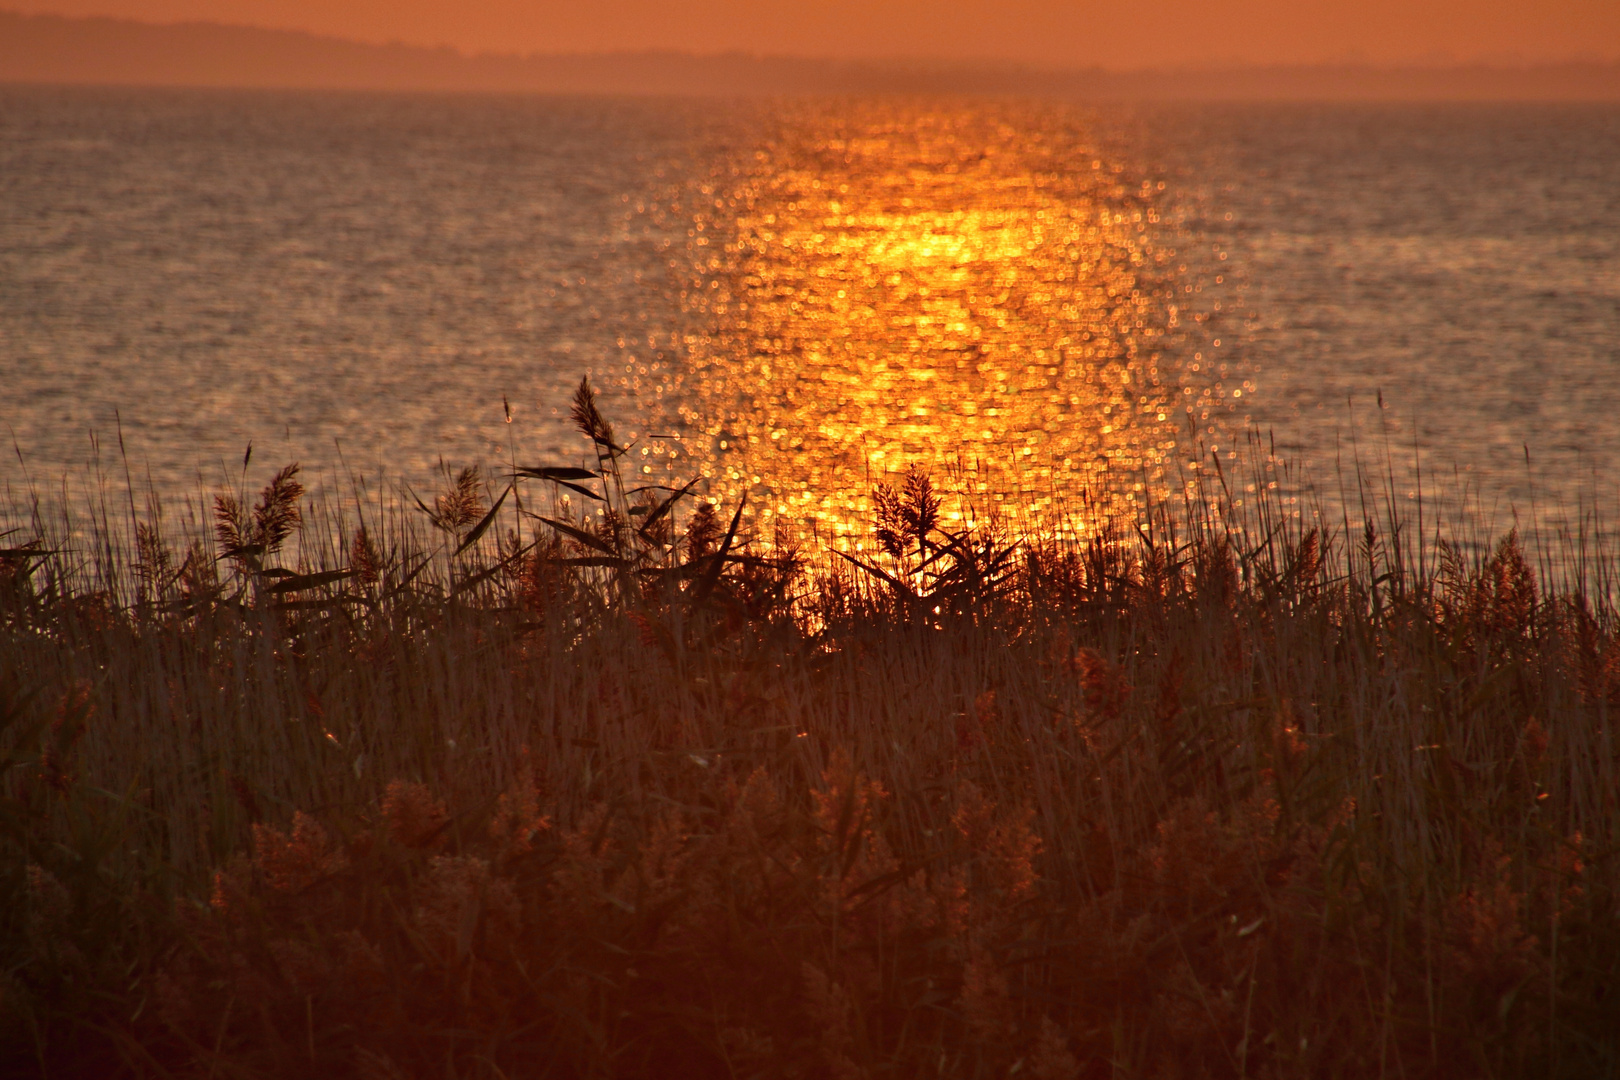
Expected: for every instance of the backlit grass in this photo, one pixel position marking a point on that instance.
(490, 788)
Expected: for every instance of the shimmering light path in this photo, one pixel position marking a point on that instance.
(974, 290)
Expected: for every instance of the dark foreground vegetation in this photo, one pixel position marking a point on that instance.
(458, 792)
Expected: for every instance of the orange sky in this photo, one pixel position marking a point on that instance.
(1048, 32)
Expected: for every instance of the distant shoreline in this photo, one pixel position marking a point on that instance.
(48, 49)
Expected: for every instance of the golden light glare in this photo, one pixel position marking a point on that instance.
(973, 291)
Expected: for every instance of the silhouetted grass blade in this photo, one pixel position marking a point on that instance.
(482, 527)
(555, 472)
(421, 565)
(712, 576)
(423, 506)
(475, 579)
(585, 491)
(878, 572)
(664, 507)
(302, 582)
(28, 552)
(562, 476)
(580, 535)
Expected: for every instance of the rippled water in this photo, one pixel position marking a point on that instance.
(1463, 260)
(979, 289)
(799, 298)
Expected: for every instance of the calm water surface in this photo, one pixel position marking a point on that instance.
(798, 298)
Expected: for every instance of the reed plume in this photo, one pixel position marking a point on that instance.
(248, 538)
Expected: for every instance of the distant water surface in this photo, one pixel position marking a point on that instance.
(1462, 260)
(797, 298)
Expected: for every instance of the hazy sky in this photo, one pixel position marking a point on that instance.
(1049, 32)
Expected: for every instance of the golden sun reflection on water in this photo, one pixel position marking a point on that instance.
(971, 290)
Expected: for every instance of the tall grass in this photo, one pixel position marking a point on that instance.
(493, 785)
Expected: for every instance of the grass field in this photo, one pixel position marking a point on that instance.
(468, 789)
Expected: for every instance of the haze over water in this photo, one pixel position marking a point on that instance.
(1042, 297)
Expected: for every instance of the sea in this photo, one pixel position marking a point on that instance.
(1052, 307)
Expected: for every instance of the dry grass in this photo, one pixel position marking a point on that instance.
(461, 792)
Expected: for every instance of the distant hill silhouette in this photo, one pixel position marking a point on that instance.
(53, 49)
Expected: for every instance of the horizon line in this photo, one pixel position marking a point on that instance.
(917, 64)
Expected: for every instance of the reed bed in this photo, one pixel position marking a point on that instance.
(483, 786)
